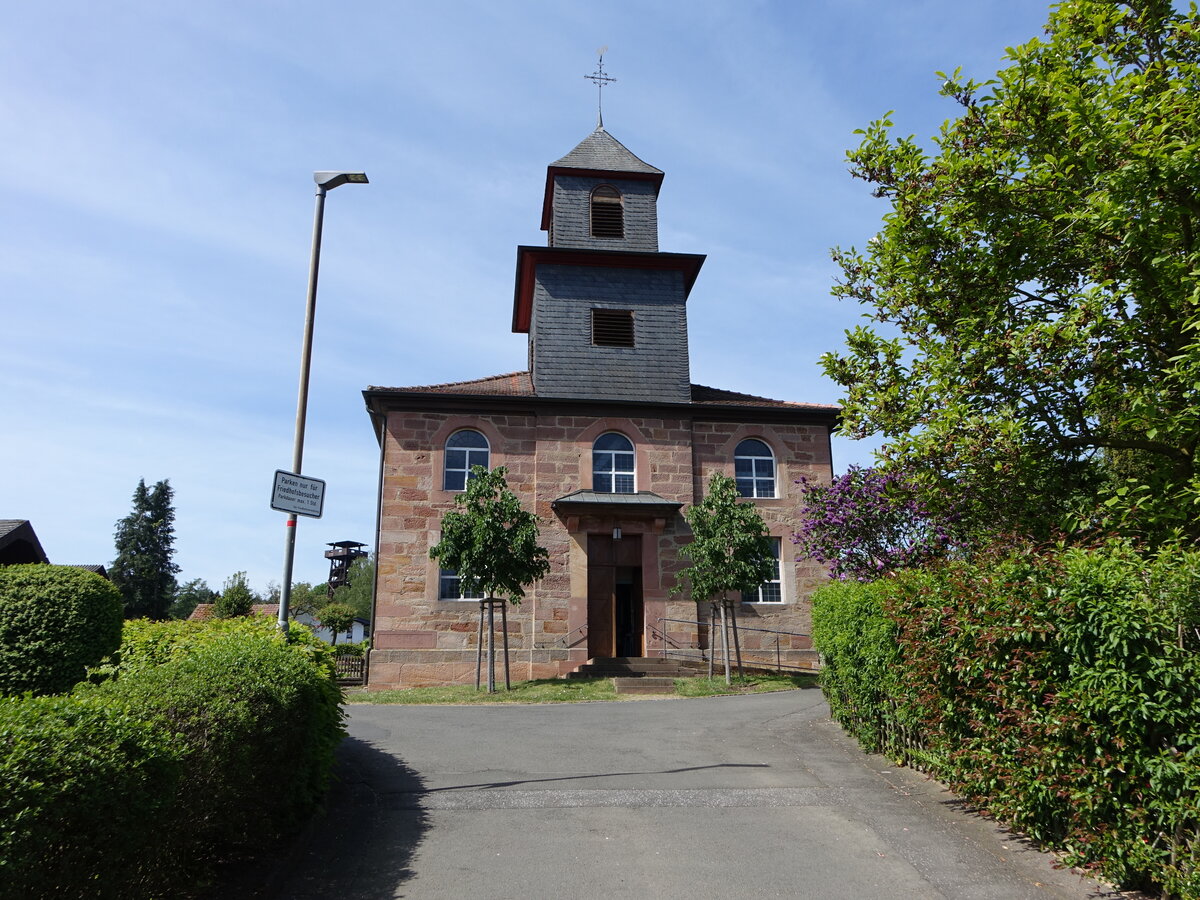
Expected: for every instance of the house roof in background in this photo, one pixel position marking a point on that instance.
(19, 543)
(208, 611)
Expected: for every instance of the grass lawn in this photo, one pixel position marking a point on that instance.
(754, 684)
(576, 690)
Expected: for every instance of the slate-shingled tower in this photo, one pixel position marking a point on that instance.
(604, 436)
(617, 279)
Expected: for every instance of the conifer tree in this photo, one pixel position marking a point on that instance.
(144, 570)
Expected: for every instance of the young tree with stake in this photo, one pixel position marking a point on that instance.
(492, 543)
(730, 552)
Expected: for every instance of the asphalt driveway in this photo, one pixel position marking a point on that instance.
(757, 796)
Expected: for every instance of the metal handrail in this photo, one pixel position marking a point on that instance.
(563, 640)
(663, 636)
(779, 664)
(740, 627)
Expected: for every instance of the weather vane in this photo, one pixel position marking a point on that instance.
(600, 80)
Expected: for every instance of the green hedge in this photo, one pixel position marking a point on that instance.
(85, 786)
(55, 621)
(200, 738)
(1058, 690)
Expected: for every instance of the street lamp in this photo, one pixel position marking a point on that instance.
(326, 181)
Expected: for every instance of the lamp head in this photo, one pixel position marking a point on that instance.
(330, 180)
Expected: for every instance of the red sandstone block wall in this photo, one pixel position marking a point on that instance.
(420, 639)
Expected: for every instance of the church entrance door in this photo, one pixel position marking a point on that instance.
(616, 619)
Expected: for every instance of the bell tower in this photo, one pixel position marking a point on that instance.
(605, 311)
(602, 197)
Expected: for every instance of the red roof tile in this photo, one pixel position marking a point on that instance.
(709, 395)
(514, 384)
(206, 611)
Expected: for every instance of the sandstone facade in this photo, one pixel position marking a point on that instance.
(614, 555)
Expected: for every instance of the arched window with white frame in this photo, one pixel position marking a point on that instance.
(754, 469)
(613, 464)
(464, 449)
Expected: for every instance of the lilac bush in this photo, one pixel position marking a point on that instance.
(869, 522)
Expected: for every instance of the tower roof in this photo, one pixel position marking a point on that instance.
(600, 151)
(599, 155)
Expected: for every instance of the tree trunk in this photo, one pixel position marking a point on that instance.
(737, 643)
(479, 648)
(712, 615)
(725, 643)
(504, 631)
(491, 647)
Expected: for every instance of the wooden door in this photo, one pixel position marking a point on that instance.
(601, 632)
(615, 620)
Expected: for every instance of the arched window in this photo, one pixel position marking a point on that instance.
(754, 469)
(608, 212)
(463, 450)
(612, 464)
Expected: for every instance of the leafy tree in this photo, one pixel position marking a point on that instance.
(1036, 280)
(236, 598)
(731, 551)
(337, 617)
(356, 592)
(190, 595)
(144, 570)
(869, 522)
(492, 543)
(306, 598)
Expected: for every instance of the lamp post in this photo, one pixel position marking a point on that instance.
(326, 181)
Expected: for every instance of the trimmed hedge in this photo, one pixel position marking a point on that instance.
(55, 621)
(258, 719)
(1060, 691)
(202, 738)
(85, 787)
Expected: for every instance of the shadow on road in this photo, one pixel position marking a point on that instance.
(360, 846)
(503, 784)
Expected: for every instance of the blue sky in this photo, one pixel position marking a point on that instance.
(157, 213)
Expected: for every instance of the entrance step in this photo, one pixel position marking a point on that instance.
(644, 684)
(633, 667)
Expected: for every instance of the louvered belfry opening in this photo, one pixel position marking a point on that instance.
(612, 327)
(608, 213)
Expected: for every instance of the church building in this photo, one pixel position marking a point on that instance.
(606, 439)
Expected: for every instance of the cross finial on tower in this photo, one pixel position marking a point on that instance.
(600, 80)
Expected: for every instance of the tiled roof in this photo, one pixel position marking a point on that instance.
(600, 150)
(7, 525)
(514, 384)
(710, 395)
(92, 567)
(206, 611)
(520, 384)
